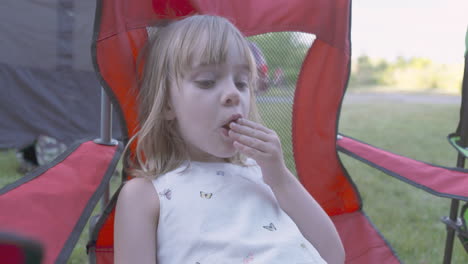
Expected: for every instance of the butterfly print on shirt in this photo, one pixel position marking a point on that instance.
(205, 195)
(270, 227)
(166, 193)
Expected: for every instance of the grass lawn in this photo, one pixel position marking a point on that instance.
(407, 217)
(8, 165)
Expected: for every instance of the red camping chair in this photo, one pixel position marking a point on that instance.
(52, 204)
(317, 89)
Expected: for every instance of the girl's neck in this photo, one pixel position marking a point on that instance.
(200, 156)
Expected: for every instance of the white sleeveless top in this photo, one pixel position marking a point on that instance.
(221, 213)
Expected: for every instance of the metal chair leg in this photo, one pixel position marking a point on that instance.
(452, 218)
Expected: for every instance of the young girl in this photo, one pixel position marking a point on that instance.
(213, 187)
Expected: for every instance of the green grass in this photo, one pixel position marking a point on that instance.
(407, 217)
(8, 165)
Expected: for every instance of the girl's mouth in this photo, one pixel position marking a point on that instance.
(227, 126)
(233, 118)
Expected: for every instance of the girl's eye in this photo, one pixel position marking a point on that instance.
(242, 85)
(205, 84)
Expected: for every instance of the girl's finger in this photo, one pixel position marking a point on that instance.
(254, 125)
(249, 141)
(248, 131)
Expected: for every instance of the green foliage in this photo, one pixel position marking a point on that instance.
(284, 50)
(413, 74)
(367, 72)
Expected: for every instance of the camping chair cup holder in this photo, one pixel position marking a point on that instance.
(456, 142)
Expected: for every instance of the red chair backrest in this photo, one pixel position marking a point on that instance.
(120, 33)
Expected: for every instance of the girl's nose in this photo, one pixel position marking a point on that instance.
(231, 95)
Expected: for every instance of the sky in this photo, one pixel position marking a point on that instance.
(434, 29)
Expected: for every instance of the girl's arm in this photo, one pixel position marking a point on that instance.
(264, 146)
(136, 219)
(310, 218)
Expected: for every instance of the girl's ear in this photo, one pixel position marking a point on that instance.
(169, 113)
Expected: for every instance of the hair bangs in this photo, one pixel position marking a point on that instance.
(208, 42)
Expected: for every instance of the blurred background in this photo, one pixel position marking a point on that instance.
(416, 45)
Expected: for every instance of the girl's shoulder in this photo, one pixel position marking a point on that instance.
(137, 197)
(139, 190)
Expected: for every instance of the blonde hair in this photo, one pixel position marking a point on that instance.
(170, 52)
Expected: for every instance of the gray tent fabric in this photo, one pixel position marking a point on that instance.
(47, 81)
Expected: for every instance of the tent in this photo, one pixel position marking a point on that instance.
(47, 79)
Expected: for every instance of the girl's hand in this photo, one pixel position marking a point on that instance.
(261, 144)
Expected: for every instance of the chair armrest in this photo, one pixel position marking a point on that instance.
(437, 180)
(52, 204)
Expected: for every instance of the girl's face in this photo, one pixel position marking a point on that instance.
(209, 98)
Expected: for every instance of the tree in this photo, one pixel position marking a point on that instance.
(285, 50)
